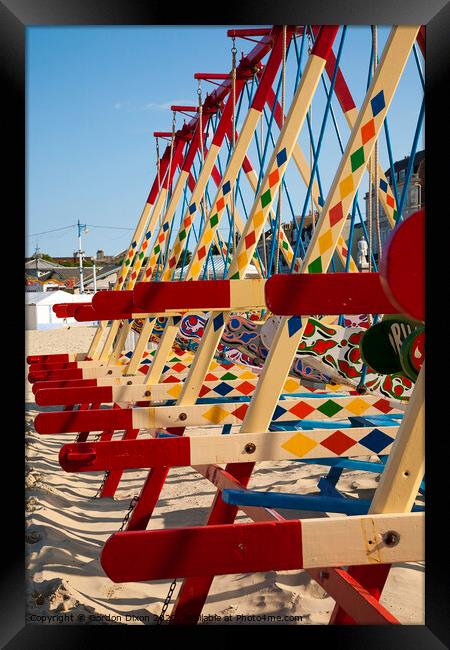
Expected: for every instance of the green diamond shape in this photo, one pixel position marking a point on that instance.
(357, 158)
(182, 235)
(315, 266)
(330, 408)
(266, 198)
(157, 249)
(235, 276)
(141, 255)
(285, 245)
(127, 262)
(214, 220)
(228, 375)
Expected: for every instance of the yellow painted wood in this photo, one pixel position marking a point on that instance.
(257, 218)
(405, 469)
(324, 240)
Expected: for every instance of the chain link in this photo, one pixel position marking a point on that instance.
(166, 602)
(131, 507)
(102, 485)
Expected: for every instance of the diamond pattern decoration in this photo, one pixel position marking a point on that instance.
(383, 405)
(329, 408)
(281, 157)
(265, 198)
(376, 441)
(274, 177)
(175, 391)
(215, 415)
(240, 411)
(315, 266)
(279, 411)
(220, 204)
(245, 388)
(335, 214)
(192, 208)
(367, 131)
(377, 103)
(357, 159)
(294, 325)
(299, 445)
(325, 242)
(346, 186)
(338, 443)
(226, 188)
(302, 410)
(223, 389)
(358, 406)
(218, 322)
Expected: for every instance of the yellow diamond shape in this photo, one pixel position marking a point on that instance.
(177, 248)
(213, 365)
(358, 406)
(248, 375)
(216, 414)
(299, 445)
(195, 269)
(176, 390)
(291, 385)
(325, 241)
(207, 237)
(258, 218)
(242, 260)
(346, 186)
(335, 388)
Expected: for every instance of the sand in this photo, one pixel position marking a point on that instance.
(66, 529)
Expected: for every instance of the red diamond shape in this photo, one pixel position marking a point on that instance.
(302, 410)
(250, 239)
(171, 379)
(383, 405)
(241, 411)
(133, 275)
(161, 237)
(246, 388)
(338, 443)
(220, 204)
(172, 261)
(187, 222)
(367, 131)
(211, 377)
(390, 200)
(335, 214)
(144, 245)
(204, 390)
(179, 367)
(274, 177)
(201, 253)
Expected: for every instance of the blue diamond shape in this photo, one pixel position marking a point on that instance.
(320, 201)
(133, 245)
(383, 185)
(281, 157)
(165, 369)
(146, 361)
(376, 441)
(166, 226)
(223, 389)
(279, 411)
(176, 319)
(148, 234)
(218, 321)
(294, 324)
(378, 103)
(226, 187)
(192, 208)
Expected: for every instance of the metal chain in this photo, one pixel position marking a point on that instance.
(131, 507)
(102, 485)
(166, 602)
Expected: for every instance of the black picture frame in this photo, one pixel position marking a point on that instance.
(15, 17)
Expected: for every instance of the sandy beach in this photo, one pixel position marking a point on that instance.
(67, 527)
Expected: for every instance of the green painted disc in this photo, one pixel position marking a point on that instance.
(380, 346)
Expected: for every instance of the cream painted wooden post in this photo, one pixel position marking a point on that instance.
(257, 218)
(332, 219)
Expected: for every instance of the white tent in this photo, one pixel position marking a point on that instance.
(39, 312)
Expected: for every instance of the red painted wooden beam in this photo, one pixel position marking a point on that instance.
(45, 375)
(136, 556)
(62, 383)
(126, 454)
(327, 293)
(89, 420)
(42, 358)
(76, 395)
(160, 296)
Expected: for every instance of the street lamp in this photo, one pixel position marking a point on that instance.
(80, 252)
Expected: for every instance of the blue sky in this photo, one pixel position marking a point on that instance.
(96, 94)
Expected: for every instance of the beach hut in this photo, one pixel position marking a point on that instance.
(39, 309)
